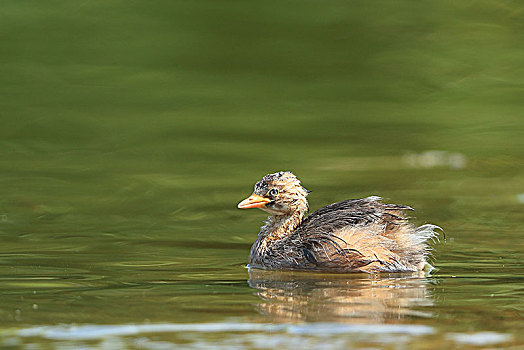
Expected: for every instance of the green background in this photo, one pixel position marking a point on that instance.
(129, 130)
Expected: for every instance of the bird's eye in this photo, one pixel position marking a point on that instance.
(273, 192)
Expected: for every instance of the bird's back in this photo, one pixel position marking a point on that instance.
(359, 235)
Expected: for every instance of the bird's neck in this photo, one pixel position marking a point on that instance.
(276, 228)
(279, 226)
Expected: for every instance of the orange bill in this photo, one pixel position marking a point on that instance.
(254, 201)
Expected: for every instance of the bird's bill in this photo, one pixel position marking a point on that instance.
(253, 201)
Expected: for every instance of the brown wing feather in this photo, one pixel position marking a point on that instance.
(361, 234)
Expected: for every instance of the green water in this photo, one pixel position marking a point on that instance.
(131, 129)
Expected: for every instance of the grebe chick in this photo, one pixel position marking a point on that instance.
(355, 235)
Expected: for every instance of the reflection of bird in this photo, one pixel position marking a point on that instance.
(351, 298)
(356, 235)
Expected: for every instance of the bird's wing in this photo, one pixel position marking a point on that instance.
(318, 231)
(351, 212)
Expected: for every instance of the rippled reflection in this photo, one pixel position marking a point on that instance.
(292, 296)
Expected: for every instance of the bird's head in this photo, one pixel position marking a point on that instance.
(278, 194)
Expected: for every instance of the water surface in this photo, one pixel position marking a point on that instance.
(130, 131)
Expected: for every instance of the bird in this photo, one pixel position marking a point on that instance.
(355, 235)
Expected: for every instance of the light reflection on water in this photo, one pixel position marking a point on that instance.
(86, 332)
(245, 335)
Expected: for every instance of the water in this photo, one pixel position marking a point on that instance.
(130, 131)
